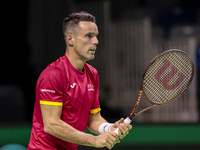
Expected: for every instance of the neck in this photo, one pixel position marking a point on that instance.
(75, 61)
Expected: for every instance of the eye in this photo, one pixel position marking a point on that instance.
(89, 35)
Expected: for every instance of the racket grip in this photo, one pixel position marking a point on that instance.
(127, 120)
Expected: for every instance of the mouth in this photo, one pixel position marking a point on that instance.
(92, 49)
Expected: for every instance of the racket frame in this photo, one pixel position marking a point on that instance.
(133, 114)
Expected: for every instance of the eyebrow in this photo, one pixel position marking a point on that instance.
(92, 33)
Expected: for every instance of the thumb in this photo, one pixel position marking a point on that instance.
(121, 120)
(117, 123)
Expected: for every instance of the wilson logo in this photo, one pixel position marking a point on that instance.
(165, 80)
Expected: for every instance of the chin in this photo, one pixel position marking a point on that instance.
(90, 58)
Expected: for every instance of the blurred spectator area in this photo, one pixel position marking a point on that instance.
(131, 34)
(12, 106)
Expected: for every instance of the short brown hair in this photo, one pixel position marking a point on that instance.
(70, 23)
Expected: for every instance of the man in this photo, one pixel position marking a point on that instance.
(67, 93)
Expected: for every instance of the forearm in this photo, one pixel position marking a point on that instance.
(58, 128)
(63, 131)
(94, 121)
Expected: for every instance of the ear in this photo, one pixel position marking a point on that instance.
(70, 39)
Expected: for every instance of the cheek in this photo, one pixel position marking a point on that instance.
(82, 45)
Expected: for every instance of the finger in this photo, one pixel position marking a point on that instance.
(112, 138)
(107, 144)
(124, 130)
(116, 124)
(110, 143)
(118, 141)
(126, 127)
(121, 120)
(113, 134)
(122, 135)
(129, 126)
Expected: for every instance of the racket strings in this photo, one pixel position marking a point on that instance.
(167, 77)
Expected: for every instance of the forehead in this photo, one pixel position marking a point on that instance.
(88, 27)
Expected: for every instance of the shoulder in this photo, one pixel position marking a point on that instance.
(91, 69)
(55, 69)
(52, 78)
(93, 74)
(52, 71)
(52, 75)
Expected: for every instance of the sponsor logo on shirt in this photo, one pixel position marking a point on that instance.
(47, 90)
(90, 87)
(73, 85)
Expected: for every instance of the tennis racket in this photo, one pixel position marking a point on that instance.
(166, 78)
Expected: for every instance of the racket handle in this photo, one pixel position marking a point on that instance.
(127, 120)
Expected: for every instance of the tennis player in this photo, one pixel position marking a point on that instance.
(67, 95)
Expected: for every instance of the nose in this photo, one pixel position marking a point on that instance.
(95, 41)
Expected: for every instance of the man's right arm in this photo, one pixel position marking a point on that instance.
(58, 128)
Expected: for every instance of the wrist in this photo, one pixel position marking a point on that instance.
(105, 127)
(92, 140)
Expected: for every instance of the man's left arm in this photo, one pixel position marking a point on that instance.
(95, 120)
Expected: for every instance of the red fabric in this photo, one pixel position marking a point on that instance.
(77, 91)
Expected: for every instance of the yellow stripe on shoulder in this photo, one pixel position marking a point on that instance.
(93, 111)
(51, 103)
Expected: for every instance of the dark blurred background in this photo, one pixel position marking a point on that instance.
(132, 32)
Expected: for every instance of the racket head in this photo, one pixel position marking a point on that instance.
(167, 76)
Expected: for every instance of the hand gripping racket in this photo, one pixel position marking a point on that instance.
(166, 78)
